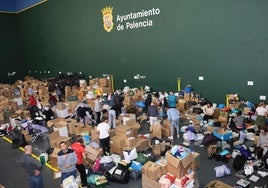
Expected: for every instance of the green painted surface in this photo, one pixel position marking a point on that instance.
(226, 42)
(10, 55)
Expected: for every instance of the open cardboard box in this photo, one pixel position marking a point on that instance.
(55, 139)
(178, 167)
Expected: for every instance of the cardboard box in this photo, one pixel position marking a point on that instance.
(216, 113)
(55, 139)
(93, 153)
(50, 123)
(149, 183)
(27, 136)
(196, 161)
(156, 130)
(81, 128)
(165, 132)
(157, 150)
(62, 113)
(217, 183)
(62, 128)
(223, 120)
(53, 157)
(211, 128)
(182, 105)
(178, 167)
(116, 149)
(130, 142)
(124, 131)
(94, 134)
(142, 144)
(152, 170)
(163, 164)
(61, 106)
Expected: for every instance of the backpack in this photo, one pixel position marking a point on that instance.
(81, 111)
(209, 139)
(238, 162)
(120, 175)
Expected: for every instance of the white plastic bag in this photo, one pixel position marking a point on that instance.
(70, 182)
(130, 155)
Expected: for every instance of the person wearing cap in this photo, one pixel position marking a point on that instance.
(152, 113)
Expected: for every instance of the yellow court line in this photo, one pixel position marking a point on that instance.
(33, 155)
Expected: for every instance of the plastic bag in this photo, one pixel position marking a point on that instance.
(222, 171)
(70, 182)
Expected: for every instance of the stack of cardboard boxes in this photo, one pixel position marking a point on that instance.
(153, 171)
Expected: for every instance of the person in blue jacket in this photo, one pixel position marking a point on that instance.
(172, 100)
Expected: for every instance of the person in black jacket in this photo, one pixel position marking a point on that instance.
(32, 167)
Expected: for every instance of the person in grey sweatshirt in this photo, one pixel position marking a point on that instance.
(66, 161)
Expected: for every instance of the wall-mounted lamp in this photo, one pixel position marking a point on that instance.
(139, 77)
(11, 73)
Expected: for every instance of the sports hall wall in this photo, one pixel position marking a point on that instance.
(11, 59)
(225, 42)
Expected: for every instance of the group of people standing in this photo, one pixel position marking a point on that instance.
(168, 103)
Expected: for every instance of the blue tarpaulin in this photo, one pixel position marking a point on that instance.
(16, 6)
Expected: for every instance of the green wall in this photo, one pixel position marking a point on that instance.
(226, 42)
(10, 54)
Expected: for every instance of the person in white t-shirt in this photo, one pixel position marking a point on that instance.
(209, 111)
(261, 113)
(104, 135)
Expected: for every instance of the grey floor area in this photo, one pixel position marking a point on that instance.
(13, 176)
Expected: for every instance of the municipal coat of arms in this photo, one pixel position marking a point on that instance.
(107, 17)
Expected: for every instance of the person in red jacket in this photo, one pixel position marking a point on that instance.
(32, 101)
(79, 149)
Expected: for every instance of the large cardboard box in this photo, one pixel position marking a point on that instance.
(81, 128)
(93, 153)
(165, 132)
(149, 183)
(62, 113)
(62, 128)
(94, 134)
(142, 144)
(52, 122)
(152, 170)
(217, 183)
(116, 149)
(124, 131)
(130, 142)
(196, 161)
(53, 157)
(182, 105)
(156, 130)
(178, 167)
(163, 164)
(55, 139)
(117, 144)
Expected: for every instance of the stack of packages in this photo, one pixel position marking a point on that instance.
(61, 130)
(178, 168)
